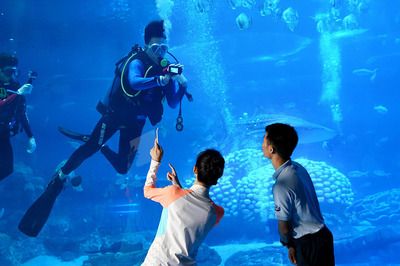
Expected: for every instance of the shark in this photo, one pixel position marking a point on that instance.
(308, 132)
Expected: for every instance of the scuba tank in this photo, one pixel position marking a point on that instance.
(120, 76)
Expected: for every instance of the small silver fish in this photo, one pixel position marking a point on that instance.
(381, 109)
(357, 173)
(381, 173)
(365, 72)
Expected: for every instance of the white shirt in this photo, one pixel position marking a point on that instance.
(187, 217)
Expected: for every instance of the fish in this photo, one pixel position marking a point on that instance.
(288, 46)
(203, 6)
(243, 21)
(381, 173)
(381, 109)
(234, 3)
(291, 18)
(357, 173)
(365, 72)
(308, 132)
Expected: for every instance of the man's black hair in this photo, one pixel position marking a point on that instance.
(8, 60)
(154, 29)
(283, 138)
(210, 167)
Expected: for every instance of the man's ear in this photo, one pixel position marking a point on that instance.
(195, 170)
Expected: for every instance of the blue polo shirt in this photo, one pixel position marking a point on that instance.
(295, 199)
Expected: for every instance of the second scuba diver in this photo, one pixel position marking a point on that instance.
(13, 117)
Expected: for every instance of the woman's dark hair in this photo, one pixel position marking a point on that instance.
(8, 60)
(283, 138)
(154, 29)
(210, 166)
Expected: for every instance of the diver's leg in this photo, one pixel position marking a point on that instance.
(105, 128)
(36, 216)
(128, 144)
(6, 156)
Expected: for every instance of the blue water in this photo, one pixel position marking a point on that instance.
(321, 75)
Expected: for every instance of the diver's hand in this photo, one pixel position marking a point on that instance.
(156, 152)
(31, 145)
(181, 79)
(292, 255)
(173, 176)
(163, 80)
(25, 89)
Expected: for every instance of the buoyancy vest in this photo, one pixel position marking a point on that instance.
(128, 102)
(11, 107)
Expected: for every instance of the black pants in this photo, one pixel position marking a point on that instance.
(6, 154)
(315, 249)
(105, 128)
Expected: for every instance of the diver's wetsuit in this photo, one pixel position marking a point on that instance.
(12, 116)
(128, 114)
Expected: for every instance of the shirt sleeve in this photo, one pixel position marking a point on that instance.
(137, 81)
(165, 195)
(283, 202)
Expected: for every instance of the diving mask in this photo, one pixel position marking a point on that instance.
(159, 49)
(10, 71)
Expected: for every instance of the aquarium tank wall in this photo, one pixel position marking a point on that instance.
(330, 68)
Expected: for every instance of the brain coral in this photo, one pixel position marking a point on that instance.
(245, 189)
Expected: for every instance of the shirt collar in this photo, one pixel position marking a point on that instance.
(281, 168)
(201, 190)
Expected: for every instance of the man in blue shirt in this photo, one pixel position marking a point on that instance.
(141, 83)
(300, 222)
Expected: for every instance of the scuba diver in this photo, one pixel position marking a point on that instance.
(142, 80)
(13, 118)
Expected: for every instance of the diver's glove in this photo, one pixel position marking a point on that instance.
(25, 89)
(31, 145)
(163, 80)
(181, 79)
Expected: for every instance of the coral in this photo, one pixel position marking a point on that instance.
(380, 208)
(245, 190)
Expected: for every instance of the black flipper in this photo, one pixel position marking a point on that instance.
(73, 135)
(36, 216)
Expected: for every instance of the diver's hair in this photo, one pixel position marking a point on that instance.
(283, 139)
(8, 60)
(210, 167)
(154, 29)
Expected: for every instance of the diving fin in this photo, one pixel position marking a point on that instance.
(36, 216)
(73, 135)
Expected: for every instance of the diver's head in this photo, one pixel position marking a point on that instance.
(155, 40)
(8, 67)
(209, 167)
